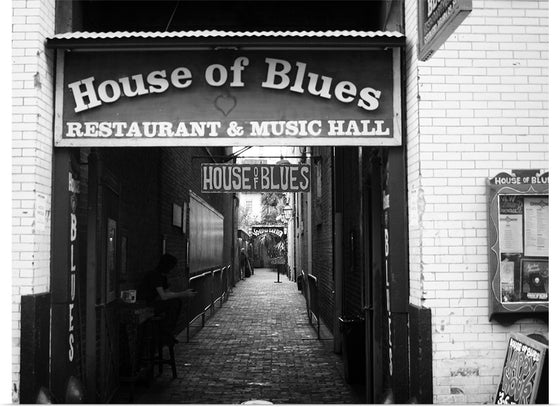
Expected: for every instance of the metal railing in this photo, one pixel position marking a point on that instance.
(311, 291)
(211, 287)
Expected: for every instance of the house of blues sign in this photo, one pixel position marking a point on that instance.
(255, 178)
(211, 98)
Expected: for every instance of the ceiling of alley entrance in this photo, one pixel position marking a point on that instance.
(144, 15)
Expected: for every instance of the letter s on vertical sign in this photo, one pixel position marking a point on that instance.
(305, 174)
(71, 347)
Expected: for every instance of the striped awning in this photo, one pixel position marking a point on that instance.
(227, 39)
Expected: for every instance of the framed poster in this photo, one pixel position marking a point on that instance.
(519, 242)
(511, 223)
(534, 279)
(535, 214)
(177, 216)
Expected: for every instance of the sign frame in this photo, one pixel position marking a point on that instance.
(394, 140)
(506, 284)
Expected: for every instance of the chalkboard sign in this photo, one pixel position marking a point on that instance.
(522, 371)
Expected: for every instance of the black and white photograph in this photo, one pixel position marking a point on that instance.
(279, 202)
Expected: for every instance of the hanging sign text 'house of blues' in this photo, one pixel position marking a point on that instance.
(255, 177)
(202, 98)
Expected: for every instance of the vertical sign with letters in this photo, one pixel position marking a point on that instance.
(65, 316)
(437, 20)
(73, 187)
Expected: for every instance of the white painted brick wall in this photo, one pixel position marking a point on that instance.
(476, 108)
(32, 109)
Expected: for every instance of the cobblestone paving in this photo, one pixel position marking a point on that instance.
(258, 345)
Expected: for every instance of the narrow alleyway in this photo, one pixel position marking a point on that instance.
(259, 345)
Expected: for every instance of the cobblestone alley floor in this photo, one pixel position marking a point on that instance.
(259, 345)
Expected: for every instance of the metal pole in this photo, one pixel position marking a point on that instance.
(278, 274)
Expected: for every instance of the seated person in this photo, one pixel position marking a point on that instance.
(154, 289)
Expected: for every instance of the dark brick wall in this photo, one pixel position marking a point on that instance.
(180, 173)
(299, 222)
(231, 250)
(137, 172)
(352, 267)
(323, 263)
(151, 180)
(176, 179)
(303, 231)
(322, 223)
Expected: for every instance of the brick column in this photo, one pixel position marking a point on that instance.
(32, 104)
(477, 107)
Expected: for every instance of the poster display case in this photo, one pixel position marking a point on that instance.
(518, 238)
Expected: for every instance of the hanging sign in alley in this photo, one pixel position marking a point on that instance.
(278, 230)
(255, 177)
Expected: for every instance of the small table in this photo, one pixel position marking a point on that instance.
(133, 317)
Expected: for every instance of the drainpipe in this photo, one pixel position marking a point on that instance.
(91, 278)
(337, 254)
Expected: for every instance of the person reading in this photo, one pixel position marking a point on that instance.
(154, 289)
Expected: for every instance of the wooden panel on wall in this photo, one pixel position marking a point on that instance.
(206, 234)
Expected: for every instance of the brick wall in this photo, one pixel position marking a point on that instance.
(303, 232)
(477, 107)
(138, 175)
(32, 102)
(323, 265)
(350, 195)
(180, 173)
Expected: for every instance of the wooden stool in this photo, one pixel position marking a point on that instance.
(157, 344)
